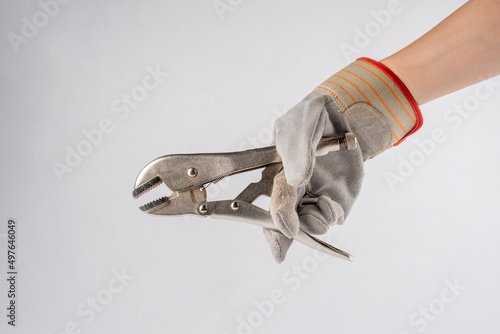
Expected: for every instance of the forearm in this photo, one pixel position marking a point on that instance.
(460, 51)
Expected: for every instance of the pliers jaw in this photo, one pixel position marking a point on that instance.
(177, 203)
(150, 177)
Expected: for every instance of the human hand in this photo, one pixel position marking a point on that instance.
(312, 193)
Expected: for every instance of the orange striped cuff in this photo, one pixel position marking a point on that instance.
(368, 81)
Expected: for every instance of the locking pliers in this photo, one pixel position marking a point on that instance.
(188, 175)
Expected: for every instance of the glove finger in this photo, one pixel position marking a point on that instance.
(297, 135)
(283, 206)
(317, 215)
(279, 244)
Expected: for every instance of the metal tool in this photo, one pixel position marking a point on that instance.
(188, 175)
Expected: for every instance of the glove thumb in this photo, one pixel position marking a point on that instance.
(297, 134)
(283, 206)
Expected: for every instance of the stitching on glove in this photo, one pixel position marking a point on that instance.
(381, 100)
(338, 101)
(352, 117)
(389, 87)
(284, 225)
(383, 121)
(358, 89)
(345, 90)
(363, 132)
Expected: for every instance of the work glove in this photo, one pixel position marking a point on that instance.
(313, 193)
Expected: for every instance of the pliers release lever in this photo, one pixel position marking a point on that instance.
(188, 175)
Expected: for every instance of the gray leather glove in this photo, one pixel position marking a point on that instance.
(365, 98)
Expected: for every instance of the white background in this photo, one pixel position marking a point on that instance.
(228, 78)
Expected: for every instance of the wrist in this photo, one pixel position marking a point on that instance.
(370, 82)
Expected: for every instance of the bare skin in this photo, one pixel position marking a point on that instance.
(460, 51)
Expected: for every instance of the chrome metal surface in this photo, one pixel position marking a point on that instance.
(192, 172)
(189, 188)
(203, 208)
(252, 214)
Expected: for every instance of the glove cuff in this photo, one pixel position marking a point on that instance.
(369, 81)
